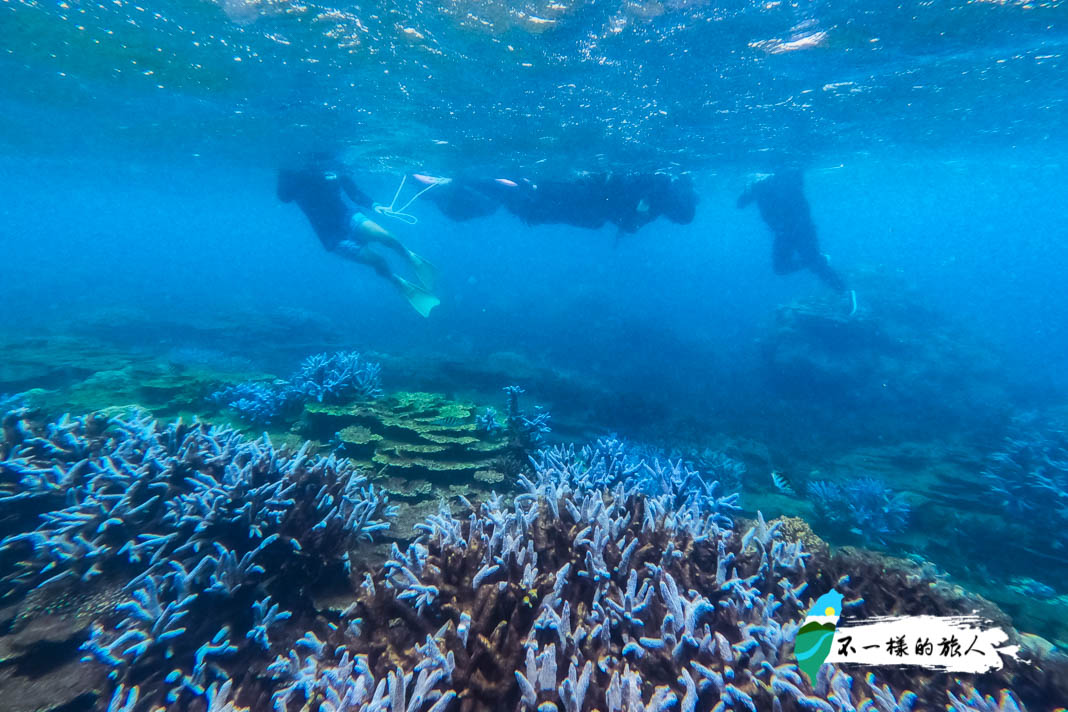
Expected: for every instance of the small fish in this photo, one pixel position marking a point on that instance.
(781, 483)
(449, 422)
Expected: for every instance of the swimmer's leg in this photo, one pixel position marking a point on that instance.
(832, 279)
(360, 253)
(370, 231)
(784, 258)
(820, 266)
(420, 299)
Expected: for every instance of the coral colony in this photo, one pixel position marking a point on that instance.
(610, 582)
(525, 432)
(199, 522)
(1029, 479)
(865, 507)
(322, 378)
(259, 403)
(339, 377)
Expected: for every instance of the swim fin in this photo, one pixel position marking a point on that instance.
(420, 299)
(424, 270)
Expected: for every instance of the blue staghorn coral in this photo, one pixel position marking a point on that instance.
(208, 488)
(1028, 478)
(611, 461)
(487, 422)
(11, 401)
(587, 593)
(338, 377)
(715, 465)
(259, 403)
(864, 507)
(324, 378)
(193, 517)
(610, 582)
(526, 431)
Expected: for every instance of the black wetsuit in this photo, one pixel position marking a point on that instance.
(464, 199)
(784, 208)
(627, 201)
(320, 192)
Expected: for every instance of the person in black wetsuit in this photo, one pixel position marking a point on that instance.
(626, 200)
(784, 208)
(334, 206)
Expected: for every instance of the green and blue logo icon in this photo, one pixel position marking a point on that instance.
(814, 640)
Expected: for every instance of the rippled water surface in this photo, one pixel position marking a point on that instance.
(572, 84)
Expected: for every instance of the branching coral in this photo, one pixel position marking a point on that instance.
(971, 701)
(581, 597)
(193, 517)
(487, 422)
(324, 378)
(609, 583)
(611, 461)
(1029, 478)
(338, 377)
(259, 403)
(10, 401)
(865, 507)
(218, 496)
(715, 465)
(525, 431)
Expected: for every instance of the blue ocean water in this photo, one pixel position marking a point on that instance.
(931, 134)
(139, 152)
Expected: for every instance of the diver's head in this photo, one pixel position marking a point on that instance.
(674, 198)
(300, 161)
(791, 164)
(321, 160)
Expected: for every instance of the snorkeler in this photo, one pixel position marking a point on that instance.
(781, 200)
(320, 189)
(626, 200)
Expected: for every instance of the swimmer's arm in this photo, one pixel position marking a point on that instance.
(355, 194)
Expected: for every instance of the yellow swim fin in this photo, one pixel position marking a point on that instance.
(420, 299)
(424, 270)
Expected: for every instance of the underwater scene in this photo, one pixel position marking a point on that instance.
(533, 356)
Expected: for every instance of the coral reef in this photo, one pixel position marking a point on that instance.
(323, 378)
(209, 487)
(63, 374)
(57, 361)
(579, 598)
(715, 465)
(338, 377)
(487, 422)
(611, 461)
(416, 440)
(895, 369)
(864, 507)
(525, 432)
(1028, 478)
(611, 582)
(797, 529)
(577, 397)
(190, 518)
(259, 403)
(11, 401)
